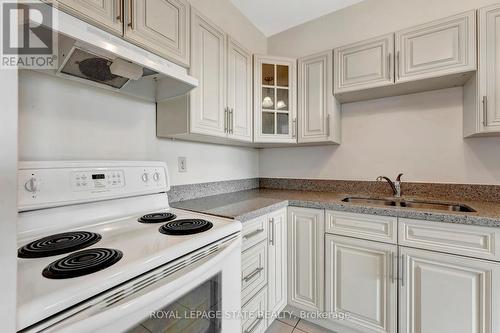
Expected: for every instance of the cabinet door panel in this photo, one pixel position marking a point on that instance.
(438, 48)
(208, 66)
(489, 68)
(239, 91)
(360, 280)
(277, 261)
(305, 258)
(448, 294)
(103, 13)
(160, 26)
(315, 92)
(364, 65)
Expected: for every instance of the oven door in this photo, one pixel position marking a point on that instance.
(196, 293)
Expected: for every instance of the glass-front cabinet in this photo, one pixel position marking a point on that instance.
(275, 99)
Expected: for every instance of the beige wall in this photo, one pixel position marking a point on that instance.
(229, 18)
(364, 20)
(420, 134)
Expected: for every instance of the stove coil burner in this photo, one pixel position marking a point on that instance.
(58, 244)
(82, 263)
(185, 227)
(157, 217)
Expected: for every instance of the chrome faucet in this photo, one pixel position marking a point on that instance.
(395, 186)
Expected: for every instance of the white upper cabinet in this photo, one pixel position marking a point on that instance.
(107, 14)
(239, 91)
(364, 65)
(318, 115)
(160, 26)
(275, 100)
(361, 280)
(482, 92)
(439, 48)
(306, 258)
(208, 63)
(448, 294)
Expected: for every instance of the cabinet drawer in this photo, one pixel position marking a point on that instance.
(466, 240)
(253, 270)
(371, 227)
(254, 231)
(254, 319)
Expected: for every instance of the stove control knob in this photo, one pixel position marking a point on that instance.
(156, 176)
(32, 185)
(145, 177)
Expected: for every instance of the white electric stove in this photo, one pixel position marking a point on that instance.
(100, 250)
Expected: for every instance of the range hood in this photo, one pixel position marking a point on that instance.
(96, 57)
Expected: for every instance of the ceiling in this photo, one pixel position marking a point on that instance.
(273, 16)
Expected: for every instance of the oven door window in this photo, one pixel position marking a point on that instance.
(198, 311)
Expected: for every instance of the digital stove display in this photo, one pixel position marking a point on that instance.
(99, 176)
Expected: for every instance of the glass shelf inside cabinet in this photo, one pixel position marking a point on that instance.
(275, 99)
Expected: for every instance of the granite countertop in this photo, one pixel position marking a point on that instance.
(248, 204)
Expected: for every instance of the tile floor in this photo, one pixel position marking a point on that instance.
(295, 325)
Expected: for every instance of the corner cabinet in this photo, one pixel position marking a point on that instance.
(318, 116)
(306, 258)
(219, 109)
(482, 92)
(274, 100)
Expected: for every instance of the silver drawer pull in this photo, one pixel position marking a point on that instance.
(251, 275)
(253, 233)
(254, 325)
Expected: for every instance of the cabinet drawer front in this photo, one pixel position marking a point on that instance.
(474, 241)
(364, 65)
(254, 231)
(371, 227)
(438, 48)
(253, 270)
(254, 319)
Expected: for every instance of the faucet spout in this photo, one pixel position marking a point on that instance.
(395, 191)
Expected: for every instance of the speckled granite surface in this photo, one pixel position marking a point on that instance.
(193, 191)
(245, 205)
(455, 192)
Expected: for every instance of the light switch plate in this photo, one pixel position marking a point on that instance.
(181, 164)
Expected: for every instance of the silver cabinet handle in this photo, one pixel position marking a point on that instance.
(271, 227)
(402, 270)
(392, 268)
(294, 123)
(397, 65)
(253, 233)
(231, 121)
(485, 111)
(131, 19)
(254, 273)
(225, 120)
(119, 16)
(328, 125)
(389, 63)
(254, 325)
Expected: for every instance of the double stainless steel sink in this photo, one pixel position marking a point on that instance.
(417, 204)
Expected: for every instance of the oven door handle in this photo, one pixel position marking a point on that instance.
(135, 299)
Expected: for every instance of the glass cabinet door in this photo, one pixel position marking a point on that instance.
(275, 107)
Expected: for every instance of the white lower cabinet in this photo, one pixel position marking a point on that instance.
(306, 258)
(277, 263)
(443, 293)
(361, 280)
(263, 270)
